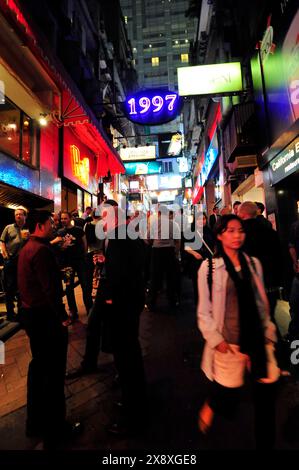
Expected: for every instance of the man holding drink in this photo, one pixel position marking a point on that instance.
(13, 238)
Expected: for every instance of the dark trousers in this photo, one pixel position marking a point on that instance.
(163, 262)
(45, 384)
(282, 352)
(129, 363)
(94, 333)
(10, 284)
(79, 267)
(294, 309)
(224, 401)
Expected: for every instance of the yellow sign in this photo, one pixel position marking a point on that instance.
(80, 167)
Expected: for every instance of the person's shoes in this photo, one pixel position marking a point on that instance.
(74, 316)
(119, 405)
(205, 418)
(80, 372)
(120, 430)
(68, 432)
(72, 430)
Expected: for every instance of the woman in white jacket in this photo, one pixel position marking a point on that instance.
(233, 317)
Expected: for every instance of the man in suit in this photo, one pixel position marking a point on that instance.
(214, 217)
(117, 308)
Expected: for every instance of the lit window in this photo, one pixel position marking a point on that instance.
(185, 58)
(155, 61)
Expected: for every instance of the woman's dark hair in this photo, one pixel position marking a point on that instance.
(220, 227)
(37, 217)
(192, 225)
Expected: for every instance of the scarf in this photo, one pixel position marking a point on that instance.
(252, 339)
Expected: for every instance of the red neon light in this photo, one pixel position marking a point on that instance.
(80, 167)
(20, 17)
(215, 123)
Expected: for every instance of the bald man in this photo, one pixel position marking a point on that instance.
(263, 243)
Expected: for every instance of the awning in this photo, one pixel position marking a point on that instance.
(90, 131)
(16, 197)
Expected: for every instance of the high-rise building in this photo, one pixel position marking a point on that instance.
(160, 34)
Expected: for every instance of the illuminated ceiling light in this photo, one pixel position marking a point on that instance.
(9, 138)
(150, 45)
(186, 40)
(176, 41)
(42, 120)
(12, 126)
(26, 123)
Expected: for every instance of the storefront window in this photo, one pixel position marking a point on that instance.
(17, 133)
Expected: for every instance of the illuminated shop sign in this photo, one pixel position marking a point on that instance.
(18, 175)
(80, 167)
(175, 146)
(210, 79)
(152, 106)
(210, 158)
(143, 168)
(138, 153)
(158, 182)
(285, 163)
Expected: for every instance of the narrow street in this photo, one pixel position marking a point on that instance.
(171, 347)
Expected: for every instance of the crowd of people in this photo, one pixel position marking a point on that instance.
(236, 283)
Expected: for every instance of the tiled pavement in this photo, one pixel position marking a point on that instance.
(171, 347)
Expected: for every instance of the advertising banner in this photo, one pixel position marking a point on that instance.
(143, 168)
(277, 63)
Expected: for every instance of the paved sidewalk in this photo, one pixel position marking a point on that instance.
(172, 348)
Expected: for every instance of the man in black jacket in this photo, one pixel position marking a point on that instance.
(117, 308)
(263, 243)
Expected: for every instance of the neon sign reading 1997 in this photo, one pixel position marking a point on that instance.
(152, 106)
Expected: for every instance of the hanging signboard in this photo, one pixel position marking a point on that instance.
(285, 163)
(214, 79)
(152, 106)
(138, 153)
(143, 168)
(210, 158)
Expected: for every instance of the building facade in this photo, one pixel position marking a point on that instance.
(58, 75)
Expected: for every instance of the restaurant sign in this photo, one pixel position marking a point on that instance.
(285, 163)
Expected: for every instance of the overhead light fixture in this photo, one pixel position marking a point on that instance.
(42, 120)
(12, 126)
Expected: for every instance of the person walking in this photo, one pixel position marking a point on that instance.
(233, 317)
(42, 316)
(165, 235)
(13, 238)
(196, 256)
